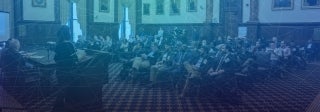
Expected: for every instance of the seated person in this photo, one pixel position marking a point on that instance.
(124, 47)
(199, 62)
(180, 56)
(95, 43)
(163, 64)
(159, 37)
(141, 62)
(107, 44)
(12, 61)
(196, 68)
(153, 54)
(223, 78)
(81, 43)
(138, 47)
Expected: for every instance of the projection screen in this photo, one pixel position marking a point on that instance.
(4, 26)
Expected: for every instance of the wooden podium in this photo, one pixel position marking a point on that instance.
(86, 88)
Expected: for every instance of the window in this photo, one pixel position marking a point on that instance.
(125, 26)
(174, 7)
(282, 4)
(146, 9)
(307, 4)
(75, 24)
(160, 7)
(192, 5)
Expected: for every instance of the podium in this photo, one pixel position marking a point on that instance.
(85, 90)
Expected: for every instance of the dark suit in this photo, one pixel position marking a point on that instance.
(12, 63)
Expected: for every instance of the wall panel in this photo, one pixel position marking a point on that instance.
(299, 32)
(297, 14)
(184, 17)
(46, 13)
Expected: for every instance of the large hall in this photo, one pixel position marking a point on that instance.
(159, 56)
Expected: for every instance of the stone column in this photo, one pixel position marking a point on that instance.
(254, 11)
(209, 11)
(253, 23)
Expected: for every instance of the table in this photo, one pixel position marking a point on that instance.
(45, 58)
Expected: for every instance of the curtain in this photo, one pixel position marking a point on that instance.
(82, 16)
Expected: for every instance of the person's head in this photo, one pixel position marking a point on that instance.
(184, 48)
(144, 56)
(283, 44)
(219, 38)
(274, 39)
(154, 47)
(96, 38)
(108, 37)
(225, 48)
(64, 34)
(166, 47)
(14, 44)
(7, 43)
(125, 41)
(258, 44)
(204, 42)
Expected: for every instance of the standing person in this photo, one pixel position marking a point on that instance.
(276, 55)
(194, 34)
(159, 37)
(66, 59)
(310, 51)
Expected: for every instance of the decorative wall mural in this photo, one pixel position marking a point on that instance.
(282, 4)
(39, 3)
(104, 6)
(307, 4)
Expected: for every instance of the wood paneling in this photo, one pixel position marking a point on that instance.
(204, 31)
(98, 28)
(103, 30)
(299, 33)
(35, 32)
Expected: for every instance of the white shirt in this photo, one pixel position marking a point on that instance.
(275, 53)
(309, 46)
(286, 52)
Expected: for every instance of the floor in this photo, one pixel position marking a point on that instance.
(295, 93)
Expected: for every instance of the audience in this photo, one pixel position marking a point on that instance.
(220, 60)
(216, 64)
